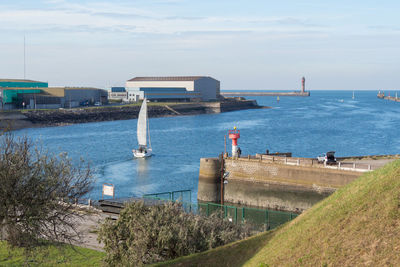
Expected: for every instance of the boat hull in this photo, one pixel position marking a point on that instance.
(138, 154)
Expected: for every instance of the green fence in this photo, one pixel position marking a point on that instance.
(181, 196)
(268, 219)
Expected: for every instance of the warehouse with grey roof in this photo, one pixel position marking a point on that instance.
(176, 88)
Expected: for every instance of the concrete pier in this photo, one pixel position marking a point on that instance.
(289, 184)
(391, 98)
(244, 93)
(209, 188)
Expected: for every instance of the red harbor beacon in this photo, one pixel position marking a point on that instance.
(234, 135)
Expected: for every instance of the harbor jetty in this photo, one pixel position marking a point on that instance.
(391, 98)
(262, 93)
(302, 92)
(277, 182)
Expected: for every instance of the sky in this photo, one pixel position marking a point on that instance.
(246, 45)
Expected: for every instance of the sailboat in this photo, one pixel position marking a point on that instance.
(143, 133)
(353, 95)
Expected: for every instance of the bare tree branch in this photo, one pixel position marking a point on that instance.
(37, 192)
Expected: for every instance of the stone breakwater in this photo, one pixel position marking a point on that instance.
(391, 98)
(245, 93)
(269, 183)
(43, 118)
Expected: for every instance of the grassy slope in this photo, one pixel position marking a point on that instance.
(234, 254)
(356, 226)
(50, 256)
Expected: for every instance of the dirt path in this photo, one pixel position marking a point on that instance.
(88, 227)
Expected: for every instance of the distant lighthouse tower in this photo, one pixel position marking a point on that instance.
(234, 135)
(303, 85)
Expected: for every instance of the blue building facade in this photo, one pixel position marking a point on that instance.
(118, 89)
(162, 93)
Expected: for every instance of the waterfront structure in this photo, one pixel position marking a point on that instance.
(117, 89)
(125, 94)
(381, 95)
(303, 85)
(63, 97)
(275, 182)
(118, 94)
(11, 88)
(181, 88)
(12, 83)
(78, 96)
(15, 93)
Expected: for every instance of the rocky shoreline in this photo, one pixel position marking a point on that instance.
(45, 118)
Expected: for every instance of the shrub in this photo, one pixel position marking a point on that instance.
(37, 191)
(146, 234)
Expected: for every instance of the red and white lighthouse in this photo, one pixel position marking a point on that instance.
(234, 135)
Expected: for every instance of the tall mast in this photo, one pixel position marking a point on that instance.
(24, 60)
(148, 129)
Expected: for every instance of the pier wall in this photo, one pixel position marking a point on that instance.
(391, 98)
(270, 185)
(246, 93)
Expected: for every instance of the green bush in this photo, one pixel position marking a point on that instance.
(37, 193)
(146, 234)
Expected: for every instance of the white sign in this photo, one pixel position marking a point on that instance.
(108, 190)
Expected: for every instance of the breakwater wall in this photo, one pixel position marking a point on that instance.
(391, 98)
(42, 118)
(244, 93)
(271, 185)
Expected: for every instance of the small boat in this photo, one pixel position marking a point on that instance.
(143, 133)
(277, 99)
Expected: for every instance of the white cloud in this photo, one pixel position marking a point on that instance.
(59, 14)
(263, 40)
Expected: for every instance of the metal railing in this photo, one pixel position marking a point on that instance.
(347, 166)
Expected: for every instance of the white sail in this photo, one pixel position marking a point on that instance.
(142, 125)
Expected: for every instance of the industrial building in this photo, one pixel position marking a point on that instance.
(29, 94)
(12, 83)
(123, 94)
(183, 88)
(117, 94)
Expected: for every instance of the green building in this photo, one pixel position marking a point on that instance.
(19, 94)
(10, 88)
(19, 83)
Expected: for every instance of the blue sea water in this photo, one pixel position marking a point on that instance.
(305, 126)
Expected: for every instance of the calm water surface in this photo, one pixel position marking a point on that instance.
(327, 120)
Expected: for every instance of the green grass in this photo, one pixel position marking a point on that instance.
(234, 254)
(50, 255)
(358, 225)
